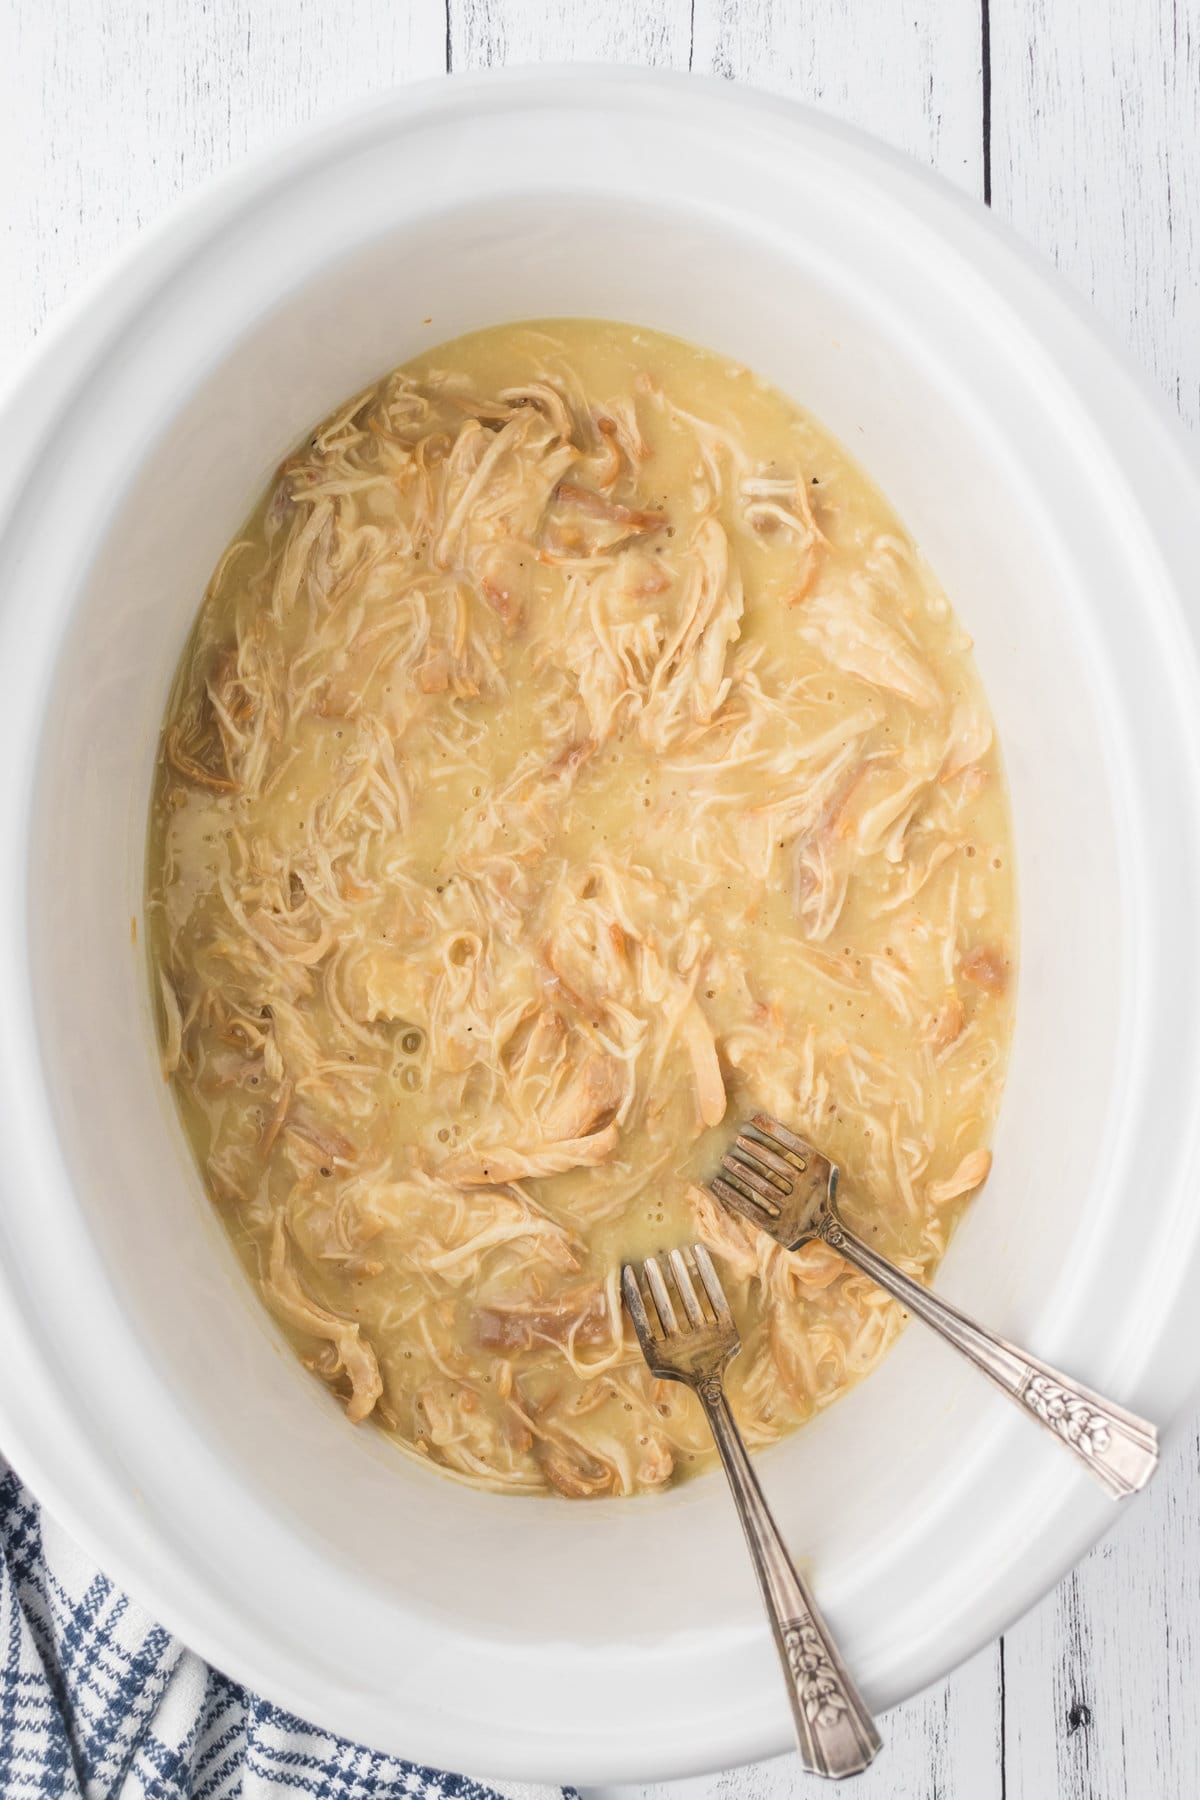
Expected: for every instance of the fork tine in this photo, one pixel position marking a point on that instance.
(689, 1257)
(741, 1199)
(743, 1169)
(659, 1294)
(792, 1146)
(712, 1285)
(637, 1307)
(687, 1292)
(767, 1158)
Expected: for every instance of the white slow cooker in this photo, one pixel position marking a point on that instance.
(143, 1392)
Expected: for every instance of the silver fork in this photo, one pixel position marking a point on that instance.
(690, 1338)
(780, 1183)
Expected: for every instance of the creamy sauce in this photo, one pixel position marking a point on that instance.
(572, 755)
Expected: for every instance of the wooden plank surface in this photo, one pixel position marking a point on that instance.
(910, 73)
(1102, 1681)
(943, 1746)
(110, 109)
(650, 33)
(1082, 117)
(1095, 153)
(1096, 156)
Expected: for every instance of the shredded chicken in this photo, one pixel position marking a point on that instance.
(503, 1163)
(352, 1357)
(571, 756)
(971, 1173)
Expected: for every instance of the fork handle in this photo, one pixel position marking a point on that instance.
(1116, 1447)
(835, 1732)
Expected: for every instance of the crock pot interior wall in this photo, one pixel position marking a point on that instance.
(874, 1468)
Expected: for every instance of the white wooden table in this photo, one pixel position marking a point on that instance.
(1079, 120)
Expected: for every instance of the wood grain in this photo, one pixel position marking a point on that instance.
(1096, 154)
(109, 109)
(910, 73)
(943, 1746)
(1096, 159)
(650, 33)
(1103, 1679)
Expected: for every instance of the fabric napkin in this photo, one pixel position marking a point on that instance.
(97, 1702)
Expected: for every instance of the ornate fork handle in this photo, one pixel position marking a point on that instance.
(836, 1733)
(1116, 1447)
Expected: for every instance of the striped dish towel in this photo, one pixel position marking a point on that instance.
(97, 1702)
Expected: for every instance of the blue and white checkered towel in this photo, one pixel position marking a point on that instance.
(97, 1702)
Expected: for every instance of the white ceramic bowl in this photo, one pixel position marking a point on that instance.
(142, 1391)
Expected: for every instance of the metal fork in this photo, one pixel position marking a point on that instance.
(780, 1183)
(690, 1337)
